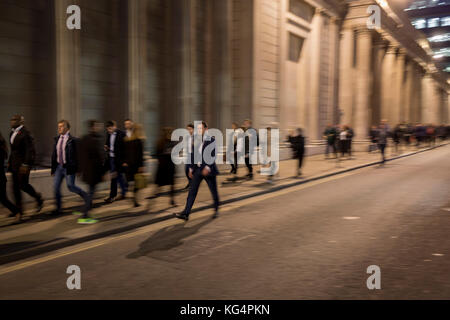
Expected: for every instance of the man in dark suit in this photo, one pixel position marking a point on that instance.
(65, 163)
(202, 166)
(114, 146)
(251, 142)
(21, 160)
(92, 164)
(15, 212)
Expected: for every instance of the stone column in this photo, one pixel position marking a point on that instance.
(317, 23)
(346, 76)
(398, 111)
(333, 71)
(136, 59)
(427, 97)
(364, 83)
(387, 84)
(408, 92)
(68, 87)
(187, 62)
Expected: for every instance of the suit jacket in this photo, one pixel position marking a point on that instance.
(22, 150)
(194, 166)
(71, 155)
(133, 157)
(119, 149)
(91, 159)
(297, 145)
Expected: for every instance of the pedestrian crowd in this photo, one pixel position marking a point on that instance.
(121, 157)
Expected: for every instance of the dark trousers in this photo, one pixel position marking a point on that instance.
(3, 197)
(118, 179)
(234, 166)
(330, 146)
(382, 147)
(60, 174)
(21, 183)
(300, 161)
(212, 184)
(89, 198)
(186, 171)
(249, 165)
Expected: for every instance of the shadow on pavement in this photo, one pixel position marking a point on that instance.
(167, 238)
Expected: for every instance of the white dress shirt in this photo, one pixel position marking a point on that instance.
(15, 132)
(62, 139)
(112, 140)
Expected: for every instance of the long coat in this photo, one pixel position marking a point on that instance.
(91, 159)
(133, 157)
(165, 174)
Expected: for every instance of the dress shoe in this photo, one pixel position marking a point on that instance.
(182, 216)
(110, 200)
(121, 197)
(40, 204)
(18, 218)
(215, 215)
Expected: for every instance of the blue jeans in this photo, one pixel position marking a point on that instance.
(60, 174)
(120, 178)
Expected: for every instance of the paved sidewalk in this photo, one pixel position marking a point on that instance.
(42, 233)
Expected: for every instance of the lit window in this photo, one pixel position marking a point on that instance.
(433, 22)
(440, 38)
(420, 23)
(445, 21)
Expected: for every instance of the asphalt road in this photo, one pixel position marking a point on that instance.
(314, 241)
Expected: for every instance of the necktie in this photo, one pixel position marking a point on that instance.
(61, 160)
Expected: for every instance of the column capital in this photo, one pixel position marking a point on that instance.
(363, 30)
(319, 10)
(391, 48)
(402, 51)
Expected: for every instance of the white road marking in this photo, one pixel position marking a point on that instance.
(351, 218)
(438, 254)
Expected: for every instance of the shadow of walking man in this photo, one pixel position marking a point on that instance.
(167, 238)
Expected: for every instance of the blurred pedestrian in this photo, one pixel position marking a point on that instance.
(297, 142)
(21, 161)
(350, 135)
(234, 147)
(373, 138)
(128, 124)
(65, 164)
(190, 143)
(165, 175)
(383, 134)
(343, 141)
(397, 136)
(251, 142)
(133, 160)
(204, 169)
(15, 212)
(114, 146)
(330, 135)
(92, 164)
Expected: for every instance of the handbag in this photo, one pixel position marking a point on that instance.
(140, 181)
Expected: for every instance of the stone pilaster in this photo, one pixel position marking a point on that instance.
(364, 83)
(68, 87)
(387, 84)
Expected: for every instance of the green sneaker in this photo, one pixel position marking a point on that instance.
(87, 221)
(77, 213)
